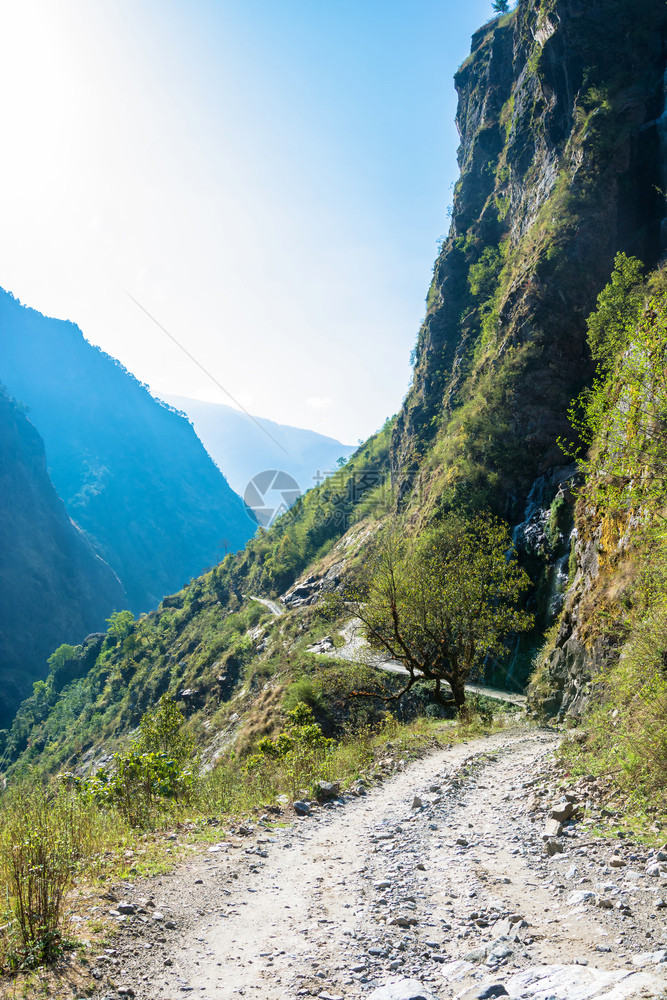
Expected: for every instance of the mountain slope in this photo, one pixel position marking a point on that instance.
(53, 588)
(561, 165)
(241, 449)
(131, 472)
(559, 109)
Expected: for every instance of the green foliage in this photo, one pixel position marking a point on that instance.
(618, 308)
(40, 849)
(107, 686)
(301, 752)
(330, 607)
(558, 520)
(304, 692)
(627, 727)
(483, 276)
(161, 732)
(624, 419)
(120, 624)
(161, 764)
(442, 602)
(136, 784)
(500, 6)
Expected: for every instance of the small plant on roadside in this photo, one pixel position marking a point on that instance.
(40, 848)
(296, 757)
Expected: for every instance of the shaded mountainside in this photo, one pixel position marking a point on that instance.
(53, 588)
(131, 472)
(241, 449)
(561, 161)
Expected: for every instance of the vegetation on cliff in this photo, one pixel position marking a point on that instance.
(621, 603)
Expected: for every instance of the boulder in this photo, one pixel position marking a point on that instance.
(562, 811)
(552, 828)
(327, 790)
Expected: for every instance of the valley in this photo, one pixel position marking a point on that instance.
(409, 738)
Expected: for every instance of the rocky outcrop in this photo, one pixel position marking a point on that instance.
(561, 122)
(53, 588)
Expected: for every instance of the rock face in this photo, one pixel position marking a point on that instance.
(131, 472)
(558, 109)
(560, 156)
(53, 587)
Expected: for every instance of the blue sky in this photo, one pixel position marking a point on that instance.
(268, 178)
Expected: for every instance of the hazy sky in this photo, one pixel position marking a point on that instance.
(268, 178)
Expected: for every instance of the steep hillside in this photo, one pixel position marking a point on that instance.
(242, 450)
(560, 168)
(131, 472)
(561, 165)
(212, 645)
(53, 588)
(617, 578)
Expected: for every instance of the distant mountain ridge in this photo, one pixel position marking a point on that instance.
(131, 472)
(53, 588)
(242, 449)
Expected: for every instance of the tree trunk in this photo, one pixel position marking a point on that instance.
(458, 691)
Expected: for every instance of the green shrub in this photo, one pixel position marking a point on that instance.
(40, 846)
(160, 767)
(295, 758)
(303, 691)
(137, 785)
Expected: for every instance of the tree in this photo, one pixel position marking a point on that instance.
(120, 624)
(441, 603)
(501, 6)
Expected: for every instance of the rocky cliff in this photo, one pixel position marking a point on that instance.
(560, 106)
(53, 588)
(560, 168)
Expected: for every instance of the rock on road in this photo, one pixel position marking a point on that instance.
(436, 884)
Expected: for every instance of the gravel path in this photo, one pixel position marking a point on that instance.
(274, 608)
(435, 884)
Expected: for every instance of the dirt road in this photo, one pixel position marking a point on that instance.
(435, 884)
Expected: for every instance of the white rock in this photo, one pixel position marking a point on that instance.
(579, 897)
(577, 982)
(650, 958)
